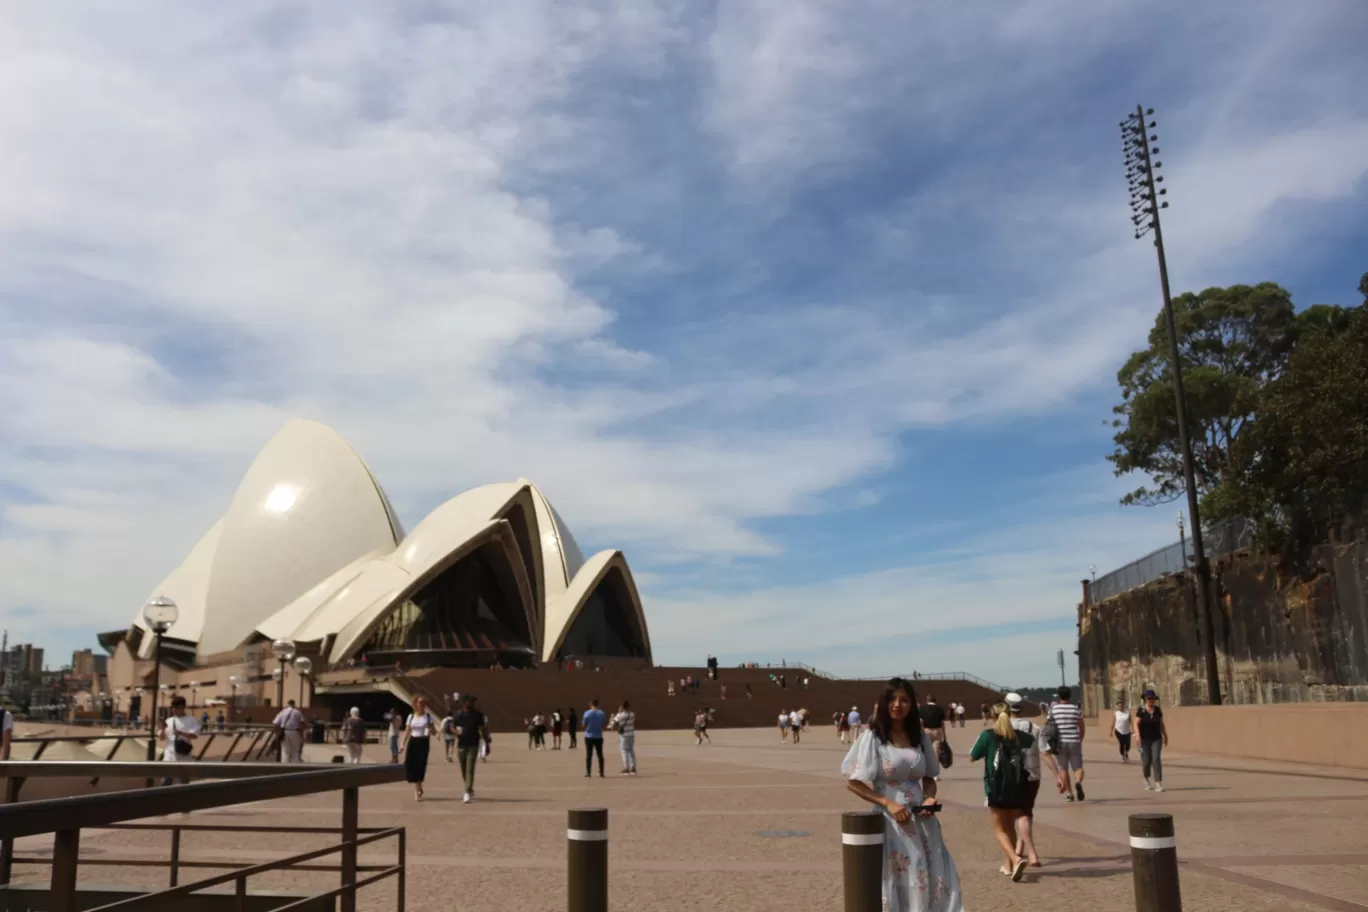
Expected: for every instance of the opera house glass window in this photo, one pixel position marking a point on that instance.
(467, 614)
(605, 625)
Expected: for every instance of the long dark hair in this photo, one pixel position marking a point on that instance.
(882, 725)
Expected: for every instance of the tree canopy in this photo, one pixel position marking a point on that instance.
(1277, 410)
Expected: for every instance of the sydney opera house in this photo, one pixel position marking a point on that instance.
(310, 550)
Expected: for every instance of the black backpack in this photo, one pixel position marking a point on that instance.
(1007, 786)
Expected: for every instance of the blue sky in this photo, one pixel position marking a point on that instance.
(814, 310)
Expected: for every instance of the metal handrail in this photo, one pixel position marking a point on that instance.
(30, 818)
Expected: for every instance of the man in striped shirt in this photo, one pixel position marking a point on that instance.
(1068, 722)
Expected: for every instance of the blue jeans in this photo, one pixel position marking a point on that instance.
(1152, 758)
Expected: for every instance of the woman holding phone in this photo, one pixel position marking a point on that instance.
(893, 766)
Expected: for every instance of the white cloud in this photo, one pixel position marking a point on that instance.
(215, 219)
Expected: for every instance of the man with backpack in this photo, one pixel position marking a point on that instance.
(1006, 781)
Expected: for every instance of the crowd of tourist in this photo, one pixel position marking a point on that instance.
(896, 755)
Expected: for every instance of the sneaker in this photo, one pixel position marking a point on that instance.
(1149, 786)
(1158, 786)
(1079, 789)
(467, 798)
(1068, 797)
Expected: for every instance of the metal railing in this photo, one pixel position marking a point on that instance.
(260, 740)
(1220, 540)
(66, 817)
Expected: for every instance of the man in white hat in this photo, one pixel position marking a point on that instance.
(1025, 846)
(854, 719)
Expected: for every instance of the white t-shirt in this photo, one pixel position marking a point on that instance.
(1032, 758)
(8, 724)
(784, 719)
(178, 725)
(419, 726)
(1123, 722)
(290, 719)
(959, 709)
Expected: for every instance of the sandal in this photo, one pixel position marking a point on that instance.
(1019, 870)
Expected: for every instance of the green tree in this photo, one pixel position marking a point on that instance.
(1303, 462)
(1232, 342)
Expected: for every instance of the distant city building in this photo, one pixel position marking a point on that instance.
(86, 664)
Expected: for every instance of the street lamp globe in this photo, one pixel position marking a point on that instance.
(303, 665)
(283, 650)
(160, 613)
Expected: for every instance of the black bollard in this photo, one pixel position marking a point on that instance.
(587, 860)
(862, 848)
(1154, 863)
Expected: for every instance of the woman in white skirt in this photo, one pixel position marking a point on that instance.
(893, 766)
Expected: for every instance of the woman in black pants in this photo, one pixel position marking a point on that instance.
(417, 742)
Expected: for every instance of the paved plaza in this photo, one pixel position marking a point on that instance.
(685, 834)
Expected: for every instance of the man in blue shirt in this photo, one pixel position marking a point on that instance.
(594, 720)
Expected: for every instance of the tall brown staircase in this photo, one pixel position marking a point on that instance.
(509, 697)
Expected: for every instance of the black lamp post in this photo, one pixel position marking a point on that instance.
(1145, 204)
(303, 666)
(159, 614)
(284, 651)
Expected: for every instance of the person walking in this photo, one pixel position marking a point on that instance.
(557, 721)
(289, 726)
(354, 735)
(472, 743)
(180, 732)
(1005, 783)
(418, 729)
(1025, 845)
(396, 732)
(959, 713)
(449, 736)
(933, 720)
(1121, 730)
(1149, 722)
(594, 721)
(893, 766)
(625, 723)
(842, 726)
(701, 727)
(796, 724)
(853, 720)
(1068, 720)
(783, 725)
(572, 724)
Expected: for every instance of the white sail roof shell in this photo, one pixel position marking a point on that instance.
(310, 549)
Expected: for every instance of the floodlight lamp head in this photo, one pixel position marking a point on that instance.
(160, 614)
(1149, 111)
(283, 649)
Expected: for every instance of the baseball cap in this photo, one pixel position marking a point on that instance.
(1150, 693)
(1013, 701)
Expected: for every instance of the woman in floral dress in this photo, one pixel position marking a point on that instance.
(893, 766)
